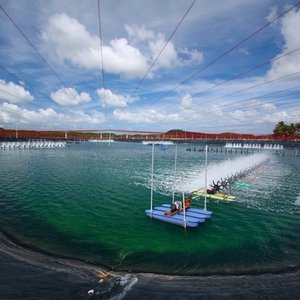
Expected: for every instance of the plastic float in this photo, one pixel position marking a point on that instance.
(241, 185)
(192, 212)
(216, 196)
(32, 144)
(170, 219)
(155, 142)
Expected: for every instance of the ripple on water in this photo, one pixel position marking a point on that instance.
(88, 201)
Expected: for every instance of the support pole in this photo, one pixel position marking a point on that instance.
(183, 204)
(152, 168)
(175, 170)
(205, 185)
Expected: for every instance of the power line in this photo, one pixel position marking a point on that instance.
(11, 74)
(279, 98)
(268, 95)
(278, 103)
(227, 126)
(261, 97)
(20, 80)
(225, 53)
(254, 86)
(246, 89)
(164, 46)
(101, 51)
(8, 93)
(36, 50)
(246, 72)
(240, 75)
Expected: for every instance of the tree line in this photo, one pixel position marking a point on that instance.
(282, 128)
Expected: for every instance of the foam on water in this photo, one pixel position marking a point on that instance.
(94, 210)
(193, 177)
(268, 178)
(225, 169)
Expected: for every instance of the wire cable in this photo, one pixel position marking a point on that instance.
(101, 52)
(226, 52)
(164, 46)
(37, 51)
(262, 99)
(244, 89)
(239, 75)
(21, 80)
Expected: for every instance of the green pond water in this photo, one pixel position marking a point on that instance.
(87, 201)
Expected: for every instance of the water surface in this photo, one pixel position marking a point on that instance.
(87, 201)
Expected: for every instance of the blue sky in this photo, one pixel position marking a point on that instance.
(51, 59)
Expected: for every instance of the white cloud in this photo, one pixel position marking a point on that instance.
(79, 118)
(144, 116)
(67, 40)
(12, 114)
(70, 41)
(290, 31)
(108, 99)
(190, 56)
(69, 96)
(122, 58)
(169, 57)
(244, 51)
(273, 14)
(259, 112)
(253, 116)
(213, 111)
(14, 93)
(268, 108)
(187, 102)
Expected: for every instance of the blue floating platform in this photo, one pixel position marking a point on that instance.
(192, 219)
(169, 219)
(194, 210)
(188, 212)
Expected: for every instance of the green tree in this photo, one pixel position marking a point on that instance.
(297, 126)
(284, 129)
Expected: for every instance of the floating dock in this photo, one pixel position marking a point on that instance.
(191, 218)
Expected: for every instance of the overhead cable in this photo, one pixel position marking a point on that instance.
(241, 74)
(36, 50)
(101, 51)
(20, 80)
(226, 52)
(247, 88)
(164, 46)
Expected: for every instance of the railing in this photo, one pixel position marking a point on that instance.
(137, 135)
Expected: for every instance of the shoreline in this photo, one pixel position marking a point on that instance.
(70, 278)
(25, 246)
(46, 277)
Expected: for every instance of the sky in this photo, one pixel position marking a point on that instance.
(206, 66)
